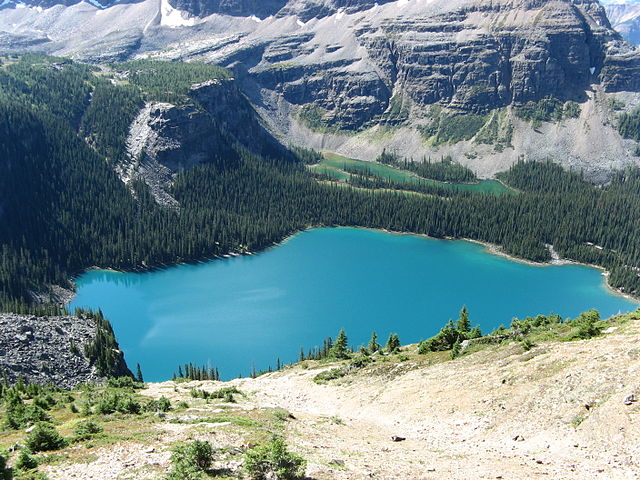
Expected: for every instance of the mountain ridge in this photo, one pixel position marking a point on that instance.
(324, 74)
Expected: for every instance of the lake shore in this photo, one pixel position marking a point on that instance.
(69, 295)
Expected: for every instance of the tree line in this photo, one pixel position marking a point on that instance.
(63, 209)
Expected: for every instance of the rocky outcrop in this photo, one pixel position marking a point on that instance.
(165, 138)
(45, 350)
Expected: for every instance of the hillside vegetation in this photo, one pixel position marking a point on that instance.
(543, 397)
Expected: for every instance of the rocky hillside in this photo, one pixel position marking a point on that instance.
(562, 410)
(45, 350)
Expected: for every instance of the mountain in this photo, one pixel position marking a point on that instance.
(358, 76)
(625, 18)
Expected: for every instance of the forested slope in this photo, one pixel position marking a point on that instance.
(63, 209)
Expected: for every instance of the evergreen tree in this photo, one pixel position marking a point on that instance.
(463, 325)
(455, 350)
(139, 377)
(393, 343)
(340, 348)
(373, 345)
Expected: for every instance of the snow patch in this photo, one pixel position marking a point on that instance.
(340, 14)
(255, 19)
(171, 17)
(300, 23)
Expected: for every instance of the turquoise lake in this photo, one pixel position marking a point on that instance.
(246, 311)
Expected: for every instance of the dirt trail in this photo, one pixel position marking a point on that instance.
(557, 412)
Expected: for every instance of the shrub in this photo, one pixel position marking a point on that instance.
(189, 462)
(123, 382)
(112, 402)
(44, 402)
(225, 393)
(360, 362)
(443, 341)
(26, 461)
(331, 374)
(5, 472)
(527, 344)
(44, 437)
(21, 416)
(586, 323)
(163, 404)
(272, 459)
(86, 429)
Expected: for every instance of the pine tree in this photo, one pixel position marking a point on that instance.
(463, 325)
(301, 356)
(455, 351)
(393, 343)
(373, 345)
(340, 348)
(139, 377)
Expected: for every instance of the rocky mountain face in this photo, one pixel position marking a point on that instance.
(315, 69)
(166, 138)
(45, 350)
(625, 18)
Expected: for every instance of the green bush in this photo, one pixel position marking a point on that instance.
(163, 404)
(86, 429)
(46, 403)
(587, 324)
(112, 402)
(123, 382)
(572, 109)
(332, 374)
(44, 437)
(26, 461)
(190, 462)
(527, 344)
(5, 472)
(20, 416)
(360, 362)
(273, 460)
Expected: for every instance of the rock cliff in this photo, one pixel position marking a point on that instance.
(166, 138)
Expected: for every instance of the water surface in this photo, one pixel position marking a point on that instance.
(247, 311)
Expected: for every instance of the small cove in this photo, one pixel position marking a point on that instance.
(243, 312)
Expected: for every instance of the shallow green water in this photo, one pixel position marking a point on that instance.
(333, 164)
(249, 310)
